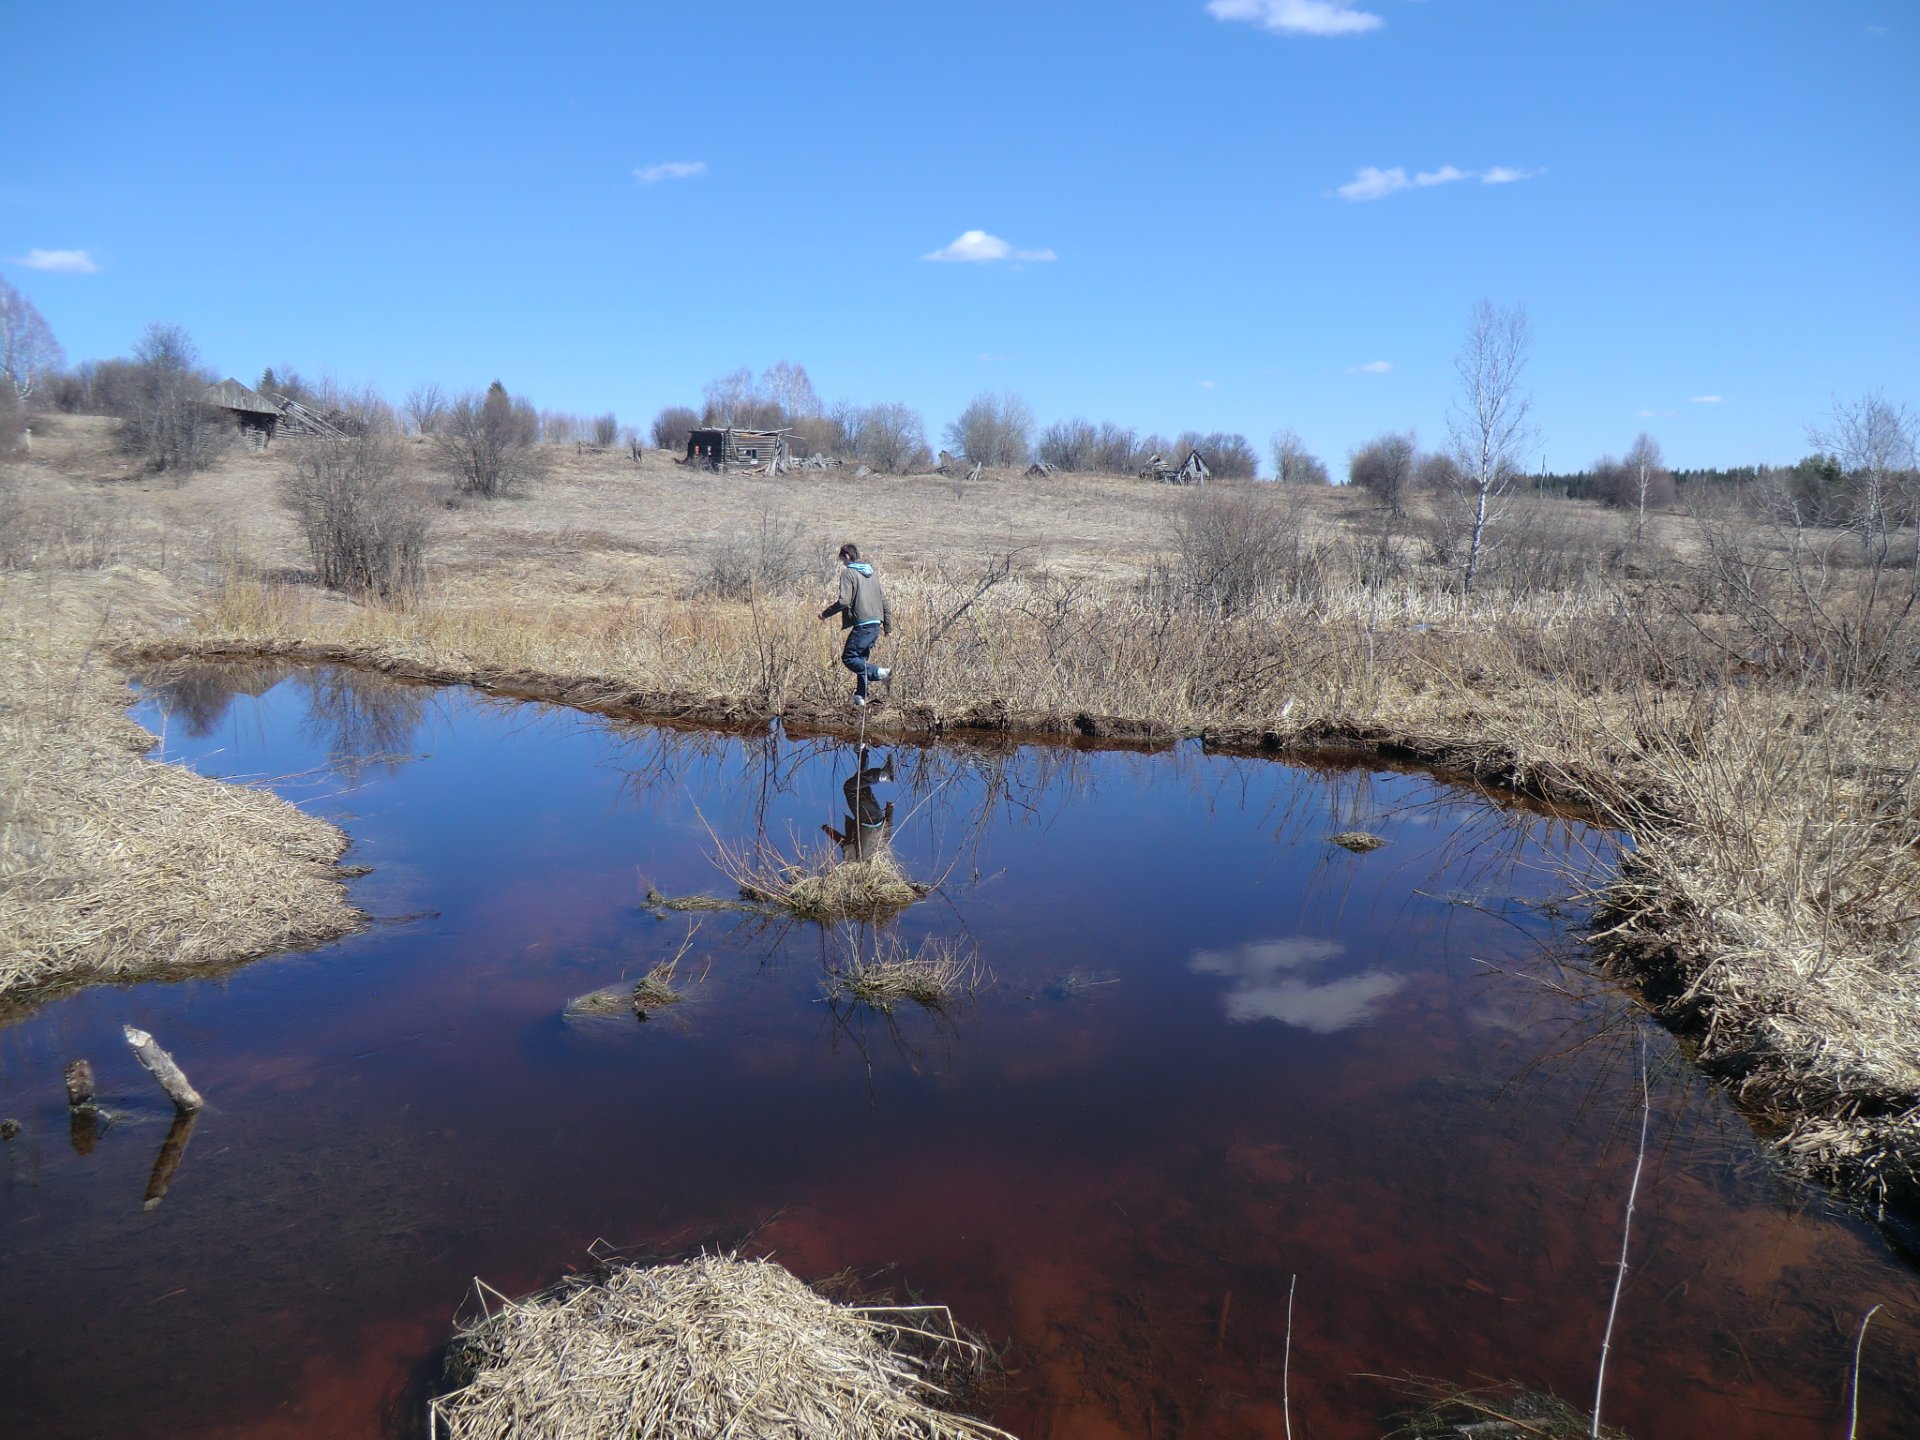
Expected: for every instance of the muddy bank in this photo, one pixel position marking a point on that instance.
(1852, 1125)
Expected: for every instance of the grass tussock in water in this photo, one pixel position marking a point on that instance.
(1506, 1412)
(711, 1346)
(820, 884)
(655, 991)
(1358, 841)
(936, 976)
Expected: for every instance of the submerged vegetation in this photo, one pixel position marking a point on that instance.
(711, 1346)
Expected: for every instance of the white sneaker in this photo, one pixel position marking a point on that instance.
(860, 700)
(882, 672)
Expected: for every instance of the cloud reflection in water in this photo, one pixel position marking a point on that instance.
(1268, 984)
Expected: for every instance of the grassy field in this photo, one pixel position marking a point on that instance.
(1734, 698)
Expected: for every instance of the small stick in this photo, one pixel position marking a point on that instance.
(160, 1065)
(1626, 1233)
(1853, 1418)
(1286, 1361)
(1220, 1337)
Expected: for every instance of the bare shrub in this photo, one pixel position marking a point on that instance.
(1233, 549)
(164, 420)
(1068, 444)
(892, 438)
(13, 423)
(1384, 468)
(673, 425)
(771, 558)
(364, 518)
(993, 429)
(1293, 463)
(488, 442)
(606, 429)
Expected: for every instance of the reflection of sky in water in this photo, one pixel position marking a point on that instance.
(1267, 986)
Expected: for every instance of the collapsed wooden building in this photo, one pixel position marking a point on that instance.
(732, 447)
(260, 417)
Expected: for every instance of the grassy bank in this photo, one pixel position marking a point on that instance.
(1734, 699)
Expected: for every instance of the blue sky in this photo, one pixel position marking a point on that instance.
(1214, 216)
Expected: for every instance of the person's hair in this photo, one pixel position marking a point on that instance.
(849, 551)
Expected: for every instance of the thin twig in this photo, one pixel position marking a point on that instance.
(1853, 1416)
(1626, 1234)
(1286, 1362)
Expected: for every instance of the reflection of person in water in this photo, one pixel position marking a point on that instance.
(869, 823)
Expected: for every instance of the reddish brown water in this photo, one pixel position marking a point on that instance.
(1221, 1058)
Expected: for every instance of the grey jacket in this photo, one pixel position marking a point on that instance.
(862, 600)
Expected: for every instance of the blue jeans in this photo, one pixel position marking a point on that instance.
(860, 643)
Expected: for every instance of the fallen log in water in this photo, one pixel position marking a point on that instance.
(160, 1065)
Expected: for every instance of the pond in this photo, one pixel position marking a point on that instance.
(1220, 1063)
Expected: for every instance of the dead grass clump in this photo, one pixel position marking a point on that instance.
(1358, 841)
(1505, 1412)
(937, 975)
(820, 885)
(711, 1346)
(655, 990)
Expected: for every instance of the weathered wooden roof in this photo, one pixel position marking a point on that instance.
(230, 394)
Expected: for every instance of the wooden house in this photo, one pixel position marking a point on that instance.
(730, 447)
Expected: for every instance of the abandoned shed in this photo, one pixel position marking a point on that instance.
(253, 413)
(728, 446)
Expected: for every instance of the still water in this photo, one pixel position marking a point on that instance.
(1220, 1059)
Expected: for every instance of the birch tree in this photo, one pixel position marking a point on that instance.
(1873, 439)
(1489, 427)
(27, 347)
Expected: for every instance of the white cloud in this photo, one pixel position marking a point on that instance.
(1298, 17)
(1372, 367)
(670, 170)
(1204, 384)
(980, 248)
(1265, 987)
(1370, 182)
(59, 262)
(1705, 400)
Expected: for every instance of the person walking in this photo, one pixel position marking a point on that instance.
(864, 615)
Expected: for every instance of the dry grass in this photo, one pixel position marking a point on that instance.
(936, 976)
(1358, 841)
(1506, 1412)
(817, 884)
(712, 1346)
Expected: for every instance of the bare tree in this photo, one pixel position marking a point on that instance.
(13, 423)
(1293, 463)
(425, 405)
(892, 438)
(489, 442)
(606, 429)
(1384, 468)
(27, 347)
(1489, 426)
(1873, 439)
(786, 385)
(1648, 480)
(672, 426)
(364, 518)
(993, 429)
(1116, 449)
